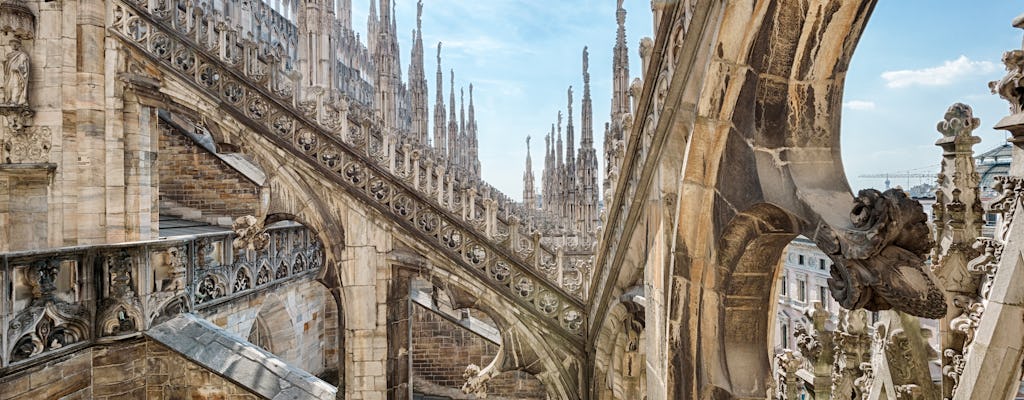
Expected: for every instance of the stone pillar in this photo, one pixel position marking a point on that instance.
(957, 217)
(399, 368)
(24, 195)
(366, 277)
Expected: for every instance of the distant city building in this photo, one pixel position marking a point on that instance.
(804, 281)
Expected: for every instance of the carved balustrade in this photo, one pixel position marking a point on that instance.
(344, 141)
(60, 300)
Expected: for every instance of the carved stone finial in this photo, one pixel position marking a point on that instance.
(959, 121)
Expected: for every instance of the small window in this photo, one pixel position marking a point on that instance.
(821, 264)
(785, 336)
(823, 296)
(785, 282)
(801, 261)
(801, 290)
(874, 317)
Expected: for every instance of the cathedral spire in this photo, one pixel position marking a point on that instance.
(463, 143)
(529, 193)
(586, 112)
(371, 29)
(570, 139)
(474, 143)
(620, 66)
(453, 127)
(558, 144)
(418, 83)
(615, 135)
(440, 144)
(549, 166)
(344, 13)
(586, 171)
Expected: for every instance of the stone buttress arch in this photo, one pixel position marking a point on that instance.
(762, 164)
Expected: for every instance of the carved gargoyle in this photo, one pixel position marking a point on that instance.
(879, 262)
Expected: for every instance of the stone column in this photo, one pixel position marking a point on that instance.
(957, 217)
(399, 368)
(366, 277)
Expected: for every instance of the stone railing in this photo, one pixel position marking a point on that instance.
(60, 300)
(420, 197)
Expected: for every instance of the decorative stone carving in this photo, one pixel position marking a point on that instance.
(25, 145)
(209, 288)
(171, 307)
(787, 363)
(22, 142)
(51, 331)
(852, 353)
(48, 323)
(1010, 87)
(176, 260)
(958, 218)
(121, 308)
(42, 275)
(17, 19)
(476, 378)
(900, 359)
(250, 233)
(879, 260)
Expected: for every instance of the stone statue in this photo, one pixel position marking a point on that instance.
(16, 68)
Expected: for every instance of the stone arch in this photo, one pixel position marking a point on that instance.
(277, 329)
(259, 335)
(292, 191)
(750, 249)
(523, 350)
(333, 339)
(762, 165)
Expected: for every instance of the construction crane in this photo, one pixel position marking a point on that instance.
(907, 175)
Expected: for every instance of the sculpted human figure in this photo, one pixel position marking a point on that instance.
(16, 79)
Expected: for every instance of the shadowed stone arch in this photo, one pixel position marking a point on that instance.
(750, 249)
(522, 348)
(761, 163)
(277, 325)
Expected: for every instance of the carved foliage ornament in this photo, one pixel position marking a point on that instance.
(879, 259)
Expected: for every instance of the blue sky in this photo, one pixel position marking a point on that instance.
(915, 58)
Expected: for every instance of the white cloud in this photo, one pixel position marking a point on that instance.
(942, 75)
(860, 105)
